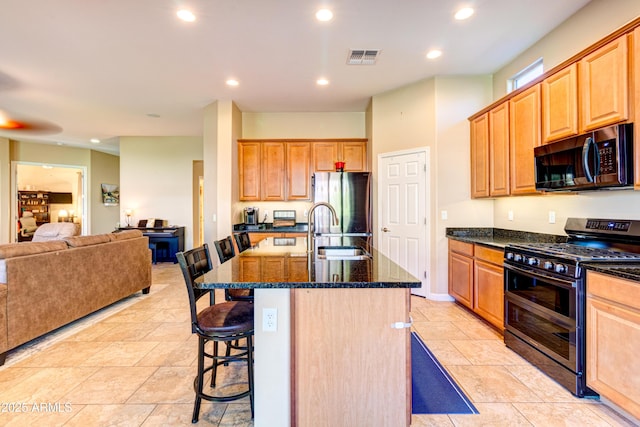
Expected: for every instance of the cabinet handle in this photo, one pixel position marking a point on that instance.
(402, 325)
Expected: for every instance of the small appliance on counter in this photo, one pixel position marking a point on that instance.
(251, 216)
(284, 219)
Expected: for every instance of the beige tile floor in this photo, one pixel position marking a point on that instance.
(133, 363)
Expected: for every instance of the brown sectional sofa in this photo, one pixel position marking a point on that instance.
(45, 285)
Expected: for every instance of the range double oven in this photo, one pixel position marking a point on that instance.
(545, 294)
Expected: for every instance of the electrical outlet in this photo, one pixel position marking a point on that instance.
(444, 215)
(306, 213)
(510, 215)
(552, 217)
(270, 319)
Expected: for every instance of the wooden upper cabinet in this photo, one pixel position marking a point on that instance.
(560, 104)
(298, 174)
(354, 156)
(636, 109)
(480, 156)
(325, 154)
(249, 156)
(352, 153)
(273, 170)
(604, 85)
(499, 150)
(524, 129)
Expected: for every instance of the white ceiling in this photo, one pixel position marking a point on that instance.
(81, 69)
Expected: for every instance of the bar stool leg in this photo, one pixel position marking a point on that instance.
(199, 380)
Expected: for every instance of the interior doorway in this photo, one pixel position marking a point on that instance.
(198, 203)
(403, 200)
(48, 193)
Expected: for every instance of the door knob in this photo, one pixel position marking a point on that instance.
(385, 229)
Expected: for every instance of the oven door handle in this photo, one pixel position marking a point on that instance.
(566, 284)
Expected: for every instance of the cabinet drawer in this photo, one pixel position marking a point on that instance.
(614, 289)
(461, 247)
(489, 255)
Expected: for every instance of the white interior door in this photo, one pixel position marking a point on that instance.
(403, 200)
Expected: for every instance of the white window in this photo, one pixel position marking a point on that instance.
(525, 76)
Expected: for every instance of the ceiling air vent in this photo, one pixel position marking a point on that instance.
(363, 56)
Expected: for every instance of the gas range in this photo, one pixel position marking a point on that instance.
(590, 240)
(545, 294)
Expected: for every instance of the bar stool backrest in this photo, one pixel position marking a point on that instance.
(242, 241)
(225, 249)
(195, 263)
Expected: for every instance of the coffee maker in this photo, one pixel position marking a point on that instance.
(251, 216)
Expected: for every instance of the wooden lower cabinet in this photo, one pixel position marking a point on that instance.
(488, 285)
(297, 269)
(350, 367)
(461, 272)
(613, 339)
(476, 280)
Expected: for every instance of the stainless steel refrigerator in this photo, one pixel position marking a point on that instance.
(350, 194)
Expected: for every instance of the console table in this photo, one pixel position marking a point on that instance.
(164, 241)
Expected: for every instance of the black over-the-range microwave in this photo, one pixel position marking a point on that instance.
(595, 160)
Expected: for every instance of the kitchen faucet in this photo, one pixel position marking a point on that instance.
(311, 225)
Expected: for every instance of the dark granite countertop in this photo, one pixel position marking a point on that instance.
(267, 227)
(498, 238)
(630, 271)
(306, 270)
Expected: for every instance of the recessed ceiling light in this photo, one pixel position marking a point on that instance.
(324, 15)
(47, 167)
(434, 53)
(186, 15)
(322, 82)
(232, 82)
(464, 13)
(95, 141)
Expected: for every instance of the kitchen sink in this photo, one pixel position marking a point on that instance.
(342, 253)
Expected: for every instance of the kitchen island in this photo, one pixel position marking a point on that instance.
(340, 352)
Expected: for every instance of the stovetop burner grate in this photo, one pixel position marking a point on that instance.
(576, 252)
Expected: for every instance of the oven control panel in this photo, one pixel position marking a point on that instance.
(601, 224)
(535, 262)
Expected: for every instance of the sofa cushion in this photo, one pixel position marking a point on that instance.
(55, 231)
(11, 250)
(78, 241)
(125, 234)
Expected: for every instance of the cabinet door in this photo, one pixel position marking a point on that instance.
(325, 156)
(249, 154)
(604, 86)
(560, 104)
(354, 156)
(499, 150)
(331, 384)
(272, 268)
(524, 130)
(297, 269)
(249, 269)
(480, 156)
(461, 278)
(273, 171)
(636, 99)
(488, 282)
(298, 171)
(613, 339)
